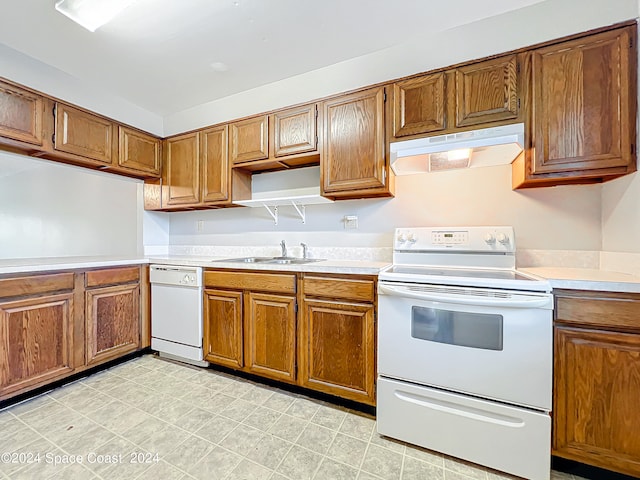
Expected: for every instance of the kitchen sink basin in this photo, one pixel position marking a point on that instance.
(272, 260)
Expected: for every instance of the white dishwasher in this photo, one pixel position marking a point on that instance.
(176, 312)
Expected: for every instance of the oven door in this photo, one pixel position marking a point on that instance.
(495, 344)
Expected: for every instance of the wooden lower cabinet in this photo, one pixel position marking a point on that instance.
(223, 328)
(53, 325)
(597, 380)
(270, 333)
(36, 341)
(337, 352)
(113, 322)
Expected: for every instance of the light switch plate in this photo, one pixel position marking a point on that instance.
(350, 222)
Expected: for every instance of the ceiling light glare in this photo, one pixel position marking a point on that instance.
(92, 14)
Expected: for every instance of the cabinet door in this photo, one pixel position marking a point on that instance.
(295, 130)
(215, 164)
(419, 105)
(36, 341)
(354, 157)
(597, 387)
(487, 91)
(338, 349)
(223, 327)
(249, 139)
(138, 151)
(20, 114)
(584, 104)
(82, 133)
(181, 171)
(113, 322)
(270, 332)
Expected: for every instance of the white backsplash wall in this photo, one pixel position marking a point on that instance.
(52, 210)
(558, 218)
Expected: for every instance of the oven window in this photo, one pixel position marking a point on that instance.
(477, 330)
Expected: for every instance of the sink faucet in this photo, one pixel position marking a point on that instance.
(305, 250)
(283, 246)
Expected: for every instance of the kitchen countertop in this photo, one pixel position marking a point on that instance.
(33, 265)
(356, 267)
(25, 265)
(587, 279)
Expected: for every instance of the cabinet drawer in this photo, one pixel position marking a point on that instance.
(112, 275)
(33, 285)
(352, 289)
(266, 282)
(596, 309)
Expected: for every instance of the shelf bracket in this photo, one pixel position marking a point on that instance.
(301, 211)
(273, 213)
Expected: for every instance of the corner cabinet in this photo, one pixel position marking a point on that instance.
(181, 171)
(354, 162)
(338, 336)
(583, 114)
(597, 379)
(139, 152)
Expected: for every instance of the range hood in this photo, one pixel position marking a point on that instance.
(475, 148)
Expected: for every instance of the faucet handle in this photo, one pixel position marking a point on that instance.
(305, 249)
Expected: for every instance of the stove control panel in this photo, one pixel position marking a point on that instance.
(474, 239)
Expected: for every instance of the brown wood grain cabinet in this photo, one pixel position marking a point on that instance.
(214, 157)
(249, 139)
(139, 151)
(270, 335)
(112, 312)
(419, 105)
(223, 330)
(181, 170)
(597, 379)
(81, 133)
(20, 114)
(487, 91)
(36, 341)
(583, 114)
(250, 322)
(337, 337)
(354, 162)
(295, 130)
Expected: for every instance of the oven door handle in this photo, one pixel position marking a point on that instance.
(461, 299)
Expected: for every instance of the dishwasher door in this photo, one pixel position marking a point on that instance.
(176, 310)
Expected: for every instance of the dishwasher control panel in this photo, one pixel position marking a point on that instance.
(176, 275)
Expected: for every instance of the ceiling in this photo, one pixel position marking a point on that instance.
(165, 55)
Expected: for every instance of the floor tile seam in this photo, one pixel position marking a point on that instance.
(486, 476)
(229, 477)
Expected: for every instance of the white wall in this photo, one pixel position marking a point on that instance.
(540, 22)
(49, 209)
(561, 218)
(621, 214)
(31, 73)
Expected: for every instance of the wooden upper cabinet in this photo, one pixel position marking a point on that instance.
(215, 164)
(295, 130)
(249, 139)
(487, 91)
(584, 104)
(81, 133)
(354, 162)
(181, 172)
(20, 114)
(419, 105)
(138, 151)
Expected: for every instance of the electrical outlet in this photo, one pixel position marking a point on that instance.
(350, 222)
(200, 226)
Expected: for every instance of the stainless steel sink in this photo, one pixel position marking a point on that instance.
(273, 260)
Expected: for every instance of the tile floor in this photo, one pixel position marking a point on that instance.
(153, 419)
